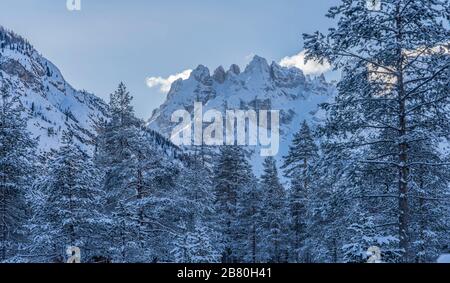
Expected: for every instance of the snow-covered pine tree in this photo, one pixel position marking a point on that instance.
(155, 204)
(371, 213)
(298, 166)
(393, 93)
(430, 207)
(363, 236)
(113, 154)
(70, 210)
(195, 189)
(302, 151)
(196, 245)
(275, 220)
(137, 184)
(232, 173)
(195, 208)
(17, 156)
(330, 202)
(250, 215)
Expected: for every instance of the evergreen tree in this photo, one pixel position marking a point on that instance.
(196, 246)
(69, 213)
(301, 153)
(275, 224)
(231, 174)
(250, 213)
(195, 207)
(429, 206)
(16, 173)
(113, 157)
(392, 96)
(330, 202)
(137, 182)
(298, 166)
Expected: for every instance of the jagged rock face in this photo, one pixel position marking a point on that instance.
(14, 68)
(202, 75)
(234, 69)
(260, 86)
(220, 75)
(51, 104)
(289, 78)
(257, 65)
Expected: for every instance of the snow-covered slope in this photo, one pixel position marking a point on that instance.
(259, 86)
(52, 104)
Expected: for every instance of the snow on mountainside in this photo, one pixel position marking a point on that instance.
(260, 87)
(52, 104)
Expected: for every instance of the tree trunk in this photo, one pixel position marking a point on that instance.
(3, 223)
(403, 218)
(254, 243)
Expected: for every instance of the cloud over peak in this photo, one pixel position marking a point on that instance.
(164, 83)
(309, 68)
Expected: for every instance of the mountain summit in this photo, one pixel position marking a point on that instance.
(260, 87)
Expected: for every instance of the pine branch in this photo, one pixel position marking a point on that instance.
(427, 81)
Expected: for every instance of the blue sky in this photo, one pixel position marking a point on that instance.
(109, 41)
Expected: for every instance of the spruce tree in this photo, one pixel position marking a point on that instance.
(274, 223)
(195, 245)
(195, 207)
(250, 213)
(298, 166)
(392, 96)
(137, 181)
(232, 173)
(17, 164)
(70, 211)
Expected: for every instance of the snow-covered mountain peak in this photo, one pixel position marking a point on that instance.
(234, 70)
(258, 66)
(220, 75)
(287, 77)
(202, 75)
(260, 86)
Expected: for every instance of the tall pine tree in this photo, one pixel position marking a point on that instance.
(232, 173)
(137, 181)
(70, 212)
(275, 222)
(298, 166)
(17, 151)
(393, 95)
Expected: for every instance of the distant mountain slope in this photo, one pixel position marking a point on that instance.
(259, 86)
(52, 104)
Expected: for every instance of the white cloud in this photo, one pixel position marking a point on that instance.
(164, 83)
(310, 68)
